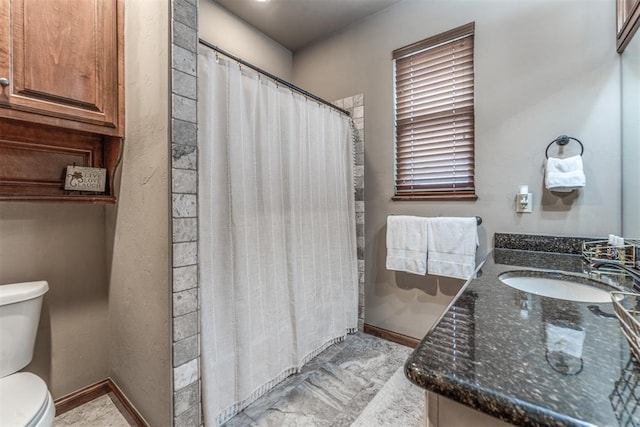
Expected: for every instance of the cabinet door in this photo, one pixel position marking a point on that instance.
(61, 61)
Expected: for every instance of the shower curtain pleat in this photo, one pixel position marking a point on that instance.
(277, 242)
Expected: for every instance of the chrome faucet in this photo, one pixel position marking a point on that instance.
(633, 272)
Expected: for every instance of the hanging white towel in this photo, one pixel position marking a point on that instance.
(564, 175)
(451, 246)
(407, 244)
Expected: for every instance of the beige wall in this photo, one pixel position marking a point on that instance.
(631, 138)
(138, 226)
(226, 31)
(107, 311)
(543, 68)
(63, 244)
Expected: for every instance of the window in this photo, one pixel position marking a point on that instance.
(434, 117)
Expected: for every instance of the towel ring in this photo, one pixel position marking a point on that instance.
(563, 140)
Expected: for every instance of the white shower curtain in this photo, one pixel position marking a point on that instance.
(277, 243)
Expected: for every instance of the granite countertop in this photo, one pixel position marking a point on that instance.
(493, 350)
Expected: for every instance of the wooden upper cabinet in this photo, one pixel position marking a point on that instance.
(62, 61)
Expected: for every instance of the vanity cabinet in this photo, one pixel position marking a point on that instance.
(61, 94)
(443, 412)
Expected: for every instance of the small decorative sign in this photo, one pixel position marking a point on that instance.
(85, 179)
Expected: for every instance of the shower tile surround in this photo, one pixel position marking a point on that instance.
(184, 206)
(355, 106)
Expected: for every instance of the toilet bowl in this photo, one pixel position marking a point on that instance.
(25, 400)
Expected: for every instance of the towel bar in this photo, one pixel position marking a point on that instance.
(478, 219)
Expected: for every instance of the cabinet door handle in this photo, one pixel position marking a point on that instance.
(4, 82)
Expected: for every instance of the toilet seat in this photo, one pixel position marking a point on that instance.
(46, 415)
(25, 401)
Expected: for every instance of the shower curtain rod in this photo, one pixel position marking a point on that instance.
(272, 77)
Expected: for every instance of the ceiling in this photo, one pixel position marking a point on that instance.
(296, 24)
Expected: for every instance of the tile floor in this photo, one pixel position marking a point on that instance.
(359, 382)
(100, 412)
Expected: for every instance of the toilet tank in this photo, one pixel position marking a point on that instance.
(20, 305)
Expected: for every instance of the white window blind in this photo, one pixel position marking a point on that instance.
(434, 97)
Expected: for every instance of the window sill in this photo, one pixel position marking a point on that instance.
(440, 197)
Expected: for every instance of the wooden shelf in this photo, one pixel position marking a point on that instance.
(68, 198)
(61, 96)
(33, 161)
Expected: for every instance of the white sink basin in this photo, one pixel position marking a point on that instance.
(558, 285)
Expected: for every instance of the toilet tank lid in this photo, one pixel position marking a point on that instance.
(17, 292)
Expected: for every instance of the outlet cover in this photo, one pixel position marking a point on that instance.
(524, 203)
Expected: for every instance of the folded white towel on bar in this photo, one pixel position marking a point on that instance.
(451, 246)
(564, 175)
(407, 244)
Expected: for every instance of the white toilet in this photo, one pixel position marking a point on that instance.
(25, 400)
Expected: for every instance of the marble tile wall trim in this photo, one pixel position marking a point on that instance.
(540, 243)
(355, 106)
(184, 212)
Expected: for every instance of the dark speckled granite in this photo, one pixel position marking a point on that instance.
(492, 351)
(540, 243)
